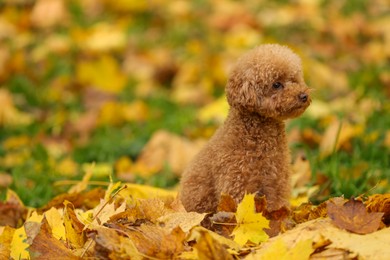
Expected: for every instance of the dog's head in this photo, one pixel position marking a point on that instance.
(268, 80)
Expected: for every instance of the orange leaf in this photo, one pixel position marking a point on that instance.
(45, 246)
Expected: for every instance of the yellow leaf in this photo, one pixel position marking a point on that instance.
(35, 217)
(67, 167)
(278, 250)
(197, 232)
(216, 110)
(9, 114)
(145, 192)
(105, 37)
(98, 169)
(250, 224)
(103, 74)
(111, 114)
(338, 134)
(19, 244)
(56, 223)
(136, 111)
(16, 142)
(73, 227)
(129, 5)
(209, 248)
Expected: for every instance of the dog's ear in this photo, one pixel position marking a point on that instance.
(241, 92)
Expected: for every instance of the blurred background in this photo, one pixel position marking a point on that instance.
(137, 87)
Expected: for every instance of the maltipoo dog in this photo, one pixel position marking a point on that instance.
(249, 152)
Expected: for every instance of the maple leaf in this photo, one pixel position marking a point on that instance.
(250, 224)
(353, 216)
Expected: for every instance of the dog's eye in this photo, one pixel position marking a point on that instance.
(277, 85)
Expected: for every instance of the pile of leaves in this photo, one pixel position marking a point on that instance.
(136, 222)
(98, 79)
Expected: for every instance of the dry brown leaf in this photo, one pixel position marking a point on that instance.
(12, 211)
(165, 147)
(223, 223)
(279, 221)
(209, 248)
(227, 203)
(185, 220)
(86, 200)
(353, 216)
(153, 208)
(45, 246)
(110, 244)
(154, 241)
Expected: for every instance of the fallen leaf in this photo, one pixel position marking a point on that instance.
(9, 114)
(19, 245)
(209, 248)
(6, 238)
(167, 148)
(73, 227)
(380, 203)
(105, 37)
(215, 111)
(250, 225)
(111, 245)
(48, 13)
(229, 243)
(56, 222)
(338, 134)
(153, 208)
(154, 241)
(185, 220)
(301, 169)
(103, 212)
(46, 246)
(325, 235)
(227, 203)
(133, 190)
(103, 74)
(278, 250)
(86, 199)
(353, 216)
(12, 211)
(223, 223)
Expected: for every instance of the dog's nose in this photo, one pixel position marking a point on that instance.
(303, 97)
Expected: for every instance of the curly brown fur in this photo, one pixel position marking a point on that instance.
(249, 152)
